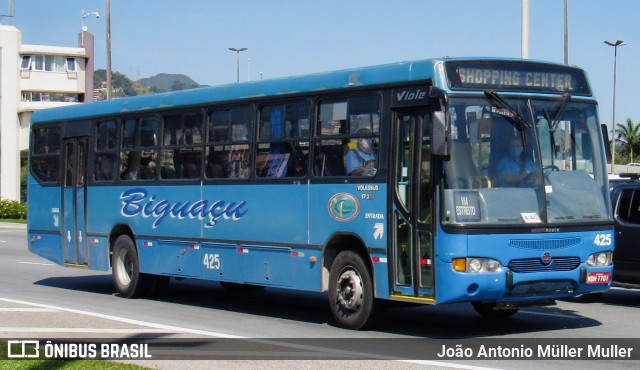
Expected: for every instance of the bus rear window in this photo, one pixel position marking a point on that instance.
(45, 153)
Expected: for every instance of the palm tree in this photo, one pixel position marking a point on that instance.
(629, 134)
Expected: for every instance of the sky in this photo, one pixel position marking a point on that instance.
(294, 37)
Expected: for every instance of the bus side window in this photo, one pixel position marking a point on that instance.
(342, 123)
(229, 134)
(329, 158)
(284, 140)
(45, 158)
(181, 152)
(106, 150)
(138, 155)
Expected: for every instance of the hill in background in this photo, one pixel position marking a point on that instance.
(124, 86)
(169, 82)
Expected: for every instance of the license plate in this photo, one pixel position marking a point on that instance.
(598, 277)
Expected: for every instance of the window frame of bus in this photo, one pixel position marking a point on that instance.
(34, 146)
(283, 165)
(344, 136)
(211, 142)
(103, 152)
(181, 147)
(138, 148)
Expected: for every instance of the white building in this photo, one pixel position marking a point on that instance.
(34, 77)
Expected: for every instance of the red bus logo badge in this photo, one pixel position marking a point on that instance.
(546, 258)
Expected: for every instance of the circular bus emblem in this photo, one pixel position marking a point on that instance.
(546, 258)
(343, 207)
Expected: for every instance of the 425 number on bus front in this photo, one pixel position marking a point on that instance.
(602, 240)
(212, 261)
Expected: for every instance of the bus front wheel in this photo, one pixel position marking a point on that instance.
(351, 291)
(128, 280)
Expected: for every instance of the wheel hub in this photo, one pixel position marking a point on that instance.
(349, 289)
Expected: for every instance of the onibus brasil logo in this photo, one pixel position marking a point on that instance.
(137, 201)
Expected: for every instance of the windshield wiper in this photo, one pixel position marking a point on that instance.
(558, 112)
(513, 116)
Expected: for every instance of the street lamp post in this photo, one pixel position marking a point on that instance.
(109, 82)
(615, 45)
(238, 50)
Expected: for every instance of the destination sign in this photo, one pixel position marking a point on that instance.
(516, 76)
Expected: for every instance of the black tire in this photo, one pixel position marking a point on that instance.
(488, 310)
(351, 291)
(125, 265)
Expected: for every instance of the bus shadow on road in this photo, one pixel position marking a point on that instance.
(461, 321)
(99, 284)
(444, 321)
(621, 297)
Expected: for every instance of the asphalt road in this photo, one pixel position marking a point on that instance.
(277, 328)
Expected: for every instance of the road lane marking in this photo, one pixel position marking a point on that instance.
(164, 328)
(27, 309)
(127, 320)
(36, 263)
(23, 329)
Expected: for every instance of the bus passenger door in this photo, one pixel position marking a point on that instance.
(73, 201)
(413, 274)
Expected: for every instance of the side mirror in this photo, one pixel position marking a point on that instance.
(439, 134)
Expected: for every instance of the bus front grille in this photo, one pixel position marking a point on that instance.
(536, 264)
(545, 244)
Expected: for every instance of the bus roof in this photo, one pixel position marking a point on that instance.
(355, 77)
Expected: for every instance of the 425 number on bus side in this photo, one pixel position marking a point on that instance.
(212, 261)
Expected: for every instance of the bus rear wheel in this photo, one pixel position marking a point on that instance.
(351, 291)
(128, 280)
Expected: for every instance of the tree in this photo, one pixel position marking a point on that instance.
(121, 84)
(629, 134)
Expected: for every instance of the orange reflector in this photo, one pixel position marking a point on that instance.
(459, 264)
(313, 259)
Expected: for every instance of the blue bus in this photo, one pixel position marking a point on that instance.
(435, 181)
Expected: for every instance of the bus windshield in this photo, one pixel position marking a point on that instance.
(524, 161)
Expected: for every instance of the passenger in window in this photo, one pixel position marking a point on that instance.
(362, 160)
(514, 170)
(239, 132)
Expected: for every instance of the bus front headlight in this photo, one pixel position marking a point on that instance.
(600, 259)
(476, 265)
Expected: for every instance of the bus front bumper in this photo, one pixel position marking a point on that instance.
(510, 286)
